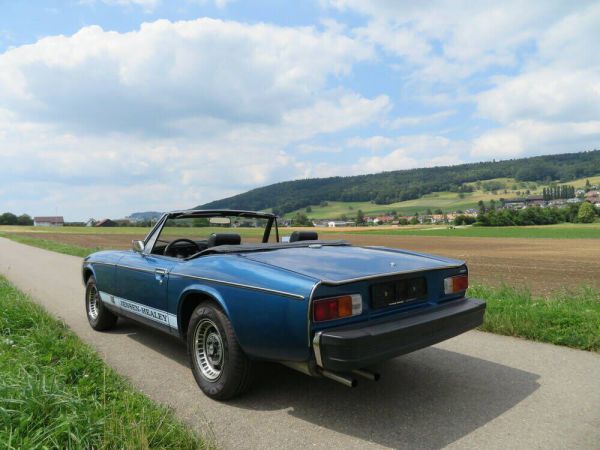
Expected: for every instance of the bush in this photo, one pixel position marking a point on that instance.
(464, 220)
(586, 213)
(529, 216)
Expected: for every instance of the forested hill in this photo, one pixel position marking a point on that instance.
(400, 185)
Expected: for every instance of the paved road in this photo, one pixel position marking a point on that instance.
(474, 391)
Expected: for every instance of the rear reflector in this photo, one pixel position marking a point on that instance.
(459, 283)
(337, 307)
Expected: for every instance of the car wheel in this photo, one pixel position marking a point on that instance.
(99, 317)
(220, 367)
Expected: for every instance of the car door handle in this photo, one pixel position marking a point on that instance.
(159, 274)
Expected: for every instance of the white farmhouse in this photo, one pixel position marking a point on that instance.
(48, 221)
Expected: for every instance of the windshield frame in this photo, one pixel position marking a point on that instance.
(154, 233)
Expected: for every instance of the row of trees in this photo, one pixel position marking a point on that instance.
(558, 192)
(9, 218)
(583, 213)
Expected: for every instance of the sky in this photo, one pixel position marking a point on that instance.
(108, 107)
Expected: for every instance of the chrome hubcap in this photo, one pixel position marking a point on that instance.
(93, 303)
(208, 348)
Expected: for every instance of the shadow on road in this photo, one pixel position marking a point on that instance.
(427, 399)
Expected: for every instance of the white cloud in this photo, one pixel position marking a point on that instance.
(167, 72)
(539, 137)
(414, 151)
(203, 108)
(548, 94)
(451, 40)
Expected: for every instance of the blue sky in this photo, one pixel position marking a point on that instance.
(113, 106)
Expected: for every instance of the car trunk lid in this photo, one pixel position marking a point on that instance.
(344, 264)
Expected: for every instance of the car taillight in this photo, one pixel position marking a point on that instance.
(459, 283)
(337, 307)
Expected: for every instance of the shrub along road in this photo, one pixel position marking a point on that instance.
(477, 390)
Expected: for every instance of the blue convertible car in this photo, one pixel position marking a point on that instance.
(323, 307)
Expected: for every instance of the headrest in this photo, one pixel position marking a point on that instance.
(224, 239)
(304, 236)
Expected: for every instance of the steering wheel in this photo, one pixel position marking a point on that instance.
(171, 245)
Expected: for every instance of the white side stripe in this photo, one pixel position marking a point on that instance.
(156, 315)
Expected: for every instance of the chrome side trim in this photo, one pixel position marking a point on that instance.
(139, 269)
(124, 266)
(390, 274)
(91, 263)
(240, 285)
(317, 348)
(156, 315)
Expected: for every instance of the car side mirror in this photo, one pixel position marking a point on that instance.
(137, 246)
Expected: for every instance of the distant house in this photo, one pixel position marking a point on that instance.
(340, 223)
(106, 223)
(592, 196)
(383, 219)
(515, 202)
(48, 221)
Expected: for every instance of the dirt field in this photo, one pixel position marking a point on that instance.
(543, 265)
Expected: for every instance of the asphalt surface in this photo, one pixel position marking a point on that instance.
(478, 390)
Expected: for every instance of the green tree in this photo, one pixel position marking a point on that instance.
(586, 213)
(308, 209)
(481, 206)
(301, 220)
(24, 219)
(360, 217)
(8, 219)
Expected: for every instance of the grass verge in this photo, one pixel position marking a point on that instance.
(54, 246)
(567, 318)
(55, 392)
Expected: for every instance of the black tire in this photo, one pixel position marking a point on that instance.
(99, 317)
(235, 369)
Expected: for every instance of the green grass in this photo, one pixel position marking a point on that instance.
(55, 392)
(135, 231)
(54, 246)
(560, 231)
(568, 318)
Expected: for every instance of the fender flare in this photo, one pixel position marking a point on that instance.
(87, 267)
(203, 289)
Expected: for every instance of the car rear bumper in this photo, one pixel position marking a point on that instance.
(361, 345)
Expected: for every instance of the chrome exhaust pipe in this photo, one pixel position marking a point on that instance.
(366, 374)
(344, 379)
